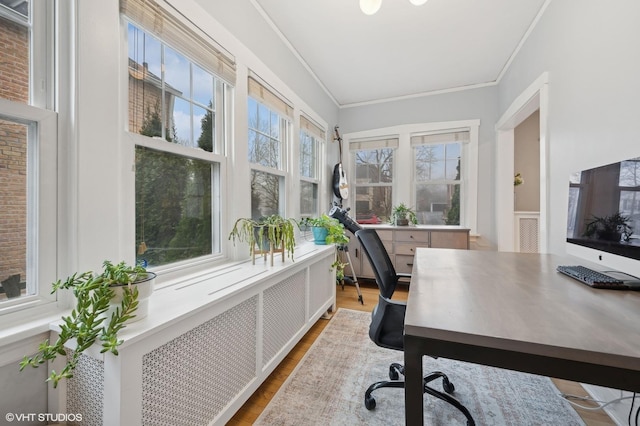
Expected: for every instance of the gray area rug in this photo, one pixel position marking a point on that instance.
(327, 387)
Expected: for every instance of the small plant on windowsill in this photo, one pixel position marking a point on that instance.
(105, 302)
(267, 234)
(401, 215)
(326, 230)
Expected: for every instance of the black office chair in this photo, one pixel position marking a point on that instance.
(387, 324)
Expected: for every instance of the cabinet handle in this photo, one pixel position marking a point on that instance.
(357, 255)
(410, 264)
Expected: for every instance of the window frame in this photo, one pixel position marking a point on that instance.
(403, 192)
(317, 161)
(42, 202)
(44, 193)
(283, 171)
(223, 101)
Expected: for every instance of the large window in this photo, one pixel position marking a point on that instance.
(269, 134)
(311, 137)
(374, 176)
(28, 156)
(438, 181)
(181, 105)
(430, 167)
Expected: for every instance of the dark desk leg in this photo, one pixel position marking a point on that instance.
(413, 382)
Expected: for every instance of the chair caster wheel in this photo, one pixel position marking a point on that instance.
(448, 386)
(369, 402)
(393, 374)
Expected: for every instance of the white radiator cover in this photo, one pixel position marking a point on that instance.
(198, 367)
(527, 232)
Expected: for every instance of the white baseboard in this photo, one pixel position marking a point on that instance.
(618, 411)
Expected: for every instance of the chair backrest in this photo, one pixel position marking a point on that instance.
(385, 273)
(342, 216)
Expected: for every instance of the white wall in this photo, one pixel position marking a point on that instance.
(590, 50)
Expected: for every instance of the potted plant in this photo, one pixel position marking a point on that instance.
(609, 228)
(325, 229)
(270, 233)
(105, 302)
(401, 215)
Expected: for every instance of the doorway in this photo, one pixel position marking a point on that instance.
(533, 100)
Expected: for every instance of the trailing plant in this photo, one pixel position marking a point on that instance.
(273, 229)
(89, 321)
(402, 212)
(335, 235)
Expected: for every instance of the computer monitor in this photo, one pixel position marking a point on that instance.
(604, 215)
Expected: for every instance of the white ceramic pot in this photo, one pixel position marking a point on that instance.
(145, 289)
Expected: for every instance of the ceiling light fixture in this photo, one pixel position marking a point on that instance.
(369, 7)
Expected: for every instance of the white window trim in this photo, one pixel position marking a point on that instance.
(320, 147)
(403, 155)
(43, 221)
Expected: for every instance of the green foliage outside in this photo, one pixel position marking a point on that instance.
(173, 198)
(453, 214)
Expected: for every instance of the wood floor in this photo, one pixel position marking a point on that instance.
(347, 298)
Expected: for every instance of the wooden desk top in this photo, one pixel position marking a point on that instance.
(518, 302)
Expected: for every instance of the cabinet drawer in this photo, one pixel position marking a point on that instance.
(413, 235)
(449, 239)
(385, 234)
(407, 248)
(404, 264)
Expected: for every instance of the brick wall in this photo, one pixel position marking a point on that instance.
(14, 85)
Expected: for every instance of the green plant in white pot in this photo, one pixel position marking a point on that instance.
(105, 303)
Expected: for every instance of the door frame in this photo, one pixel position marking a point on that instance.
(535, 97)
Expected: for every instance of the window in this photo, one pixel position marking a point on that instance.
(430, 167)
(438, 181)
(311, 137)
(180, 104)
(28, 159)
(629, 183)
(269, 129)
(374, 176)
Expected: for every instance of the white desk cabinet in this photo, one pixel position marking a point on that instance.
(401, 244)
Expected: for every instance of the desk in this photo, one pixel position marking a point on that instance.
(514, 311)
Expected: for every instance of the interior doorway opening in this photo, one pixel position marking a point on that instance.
(510, 226)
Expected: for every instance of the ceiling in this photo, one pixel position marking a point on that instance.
(402, 50)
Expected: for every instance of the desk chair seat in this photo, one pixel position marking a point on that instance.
(387, 324)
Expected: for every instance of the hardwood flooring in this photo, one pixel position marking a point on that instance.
(348, 299)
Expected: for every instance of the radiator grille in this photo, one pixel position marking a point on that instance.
(85, 391)
(528, 228)
(191, 379)
(284, 314)
(319, 289)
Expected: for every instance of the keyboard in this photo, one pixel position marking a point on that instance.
(592, 278)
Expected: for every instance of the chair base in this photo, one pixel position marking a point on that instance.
(395, 370)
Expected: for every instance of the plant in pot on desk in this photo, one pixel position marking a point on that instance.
(105, 302)
(609, 228)
(270, 233)
(401, 215)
